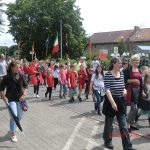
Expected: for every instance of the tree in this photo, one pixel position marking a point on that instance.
(34, 20)
(122, 47)
(1, 12)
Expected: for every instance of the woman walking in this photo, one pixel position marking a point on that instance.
(97, 84)
(134, 78)
(114, 105)
(16, 86)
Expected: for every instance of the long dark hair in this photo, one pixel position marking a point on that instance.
(10, 66)
(96, 71)
(112, 62)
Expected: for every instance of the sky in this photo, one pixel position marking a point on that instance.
(104, 15)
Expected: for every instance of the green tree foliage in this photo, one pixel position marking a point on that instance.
(9, 51)
(1, 18)
(122, 47)
(34, 20)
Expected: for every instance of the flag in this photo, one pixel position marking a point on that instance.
(56, 46)
(19, 43)
(47, 42)
(102, 56)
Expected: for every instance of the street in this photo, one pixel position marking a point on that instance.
(59, 125)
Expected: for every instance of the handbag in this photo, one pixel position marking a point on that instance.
(24, 105)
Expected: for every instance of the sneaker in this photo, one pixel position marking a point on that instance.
(134, 127)
(14, 139)
(80, 99)
(34, 95)
(37, 96)
(86, 97)
(99, 113)
(71, 100)
(109, 146)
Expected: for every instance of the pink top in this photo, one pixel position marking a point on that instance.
(63, 76)
(20, 69)
(136, 75)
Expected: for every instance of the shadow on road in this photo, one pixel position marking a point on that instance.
(2, 108)
(5, 138)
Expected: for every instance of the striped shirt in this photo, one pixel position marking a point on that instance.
(115, 85)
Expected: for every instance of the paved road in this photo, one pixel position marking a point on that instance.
(58, 125)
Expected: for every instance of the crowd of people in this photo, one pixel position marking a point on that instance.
(123, 85)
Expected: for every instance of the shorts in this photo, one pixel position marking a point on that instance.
(81, 85)
(73, 91)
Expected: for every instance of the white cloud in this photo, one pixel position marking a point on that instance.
(6, 38)
(107, 15)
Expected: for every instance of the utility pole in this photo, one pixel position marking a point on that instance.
(61, 39)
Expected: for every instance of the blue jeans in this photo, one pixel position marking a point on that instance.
(108, 129)
(64, 88)
(99, 99)
(16, 108)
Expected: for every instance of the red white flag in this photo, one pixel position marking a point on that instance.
(56, 46)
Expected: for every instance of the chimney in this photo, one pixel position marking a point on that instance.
(136, 29)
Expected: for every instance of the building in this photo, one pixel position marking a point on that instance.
(106, 41)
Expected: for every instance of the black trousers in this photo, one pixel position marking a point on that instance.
(55, 82)
(36, 88)
(49, 90)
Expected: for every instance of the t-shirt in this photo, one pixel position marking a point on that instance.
(72, 76)
(98, 83)
(62, 74)
(14, 85)
(3, 66)
(49, 80)
(95, 63)
(56, 73)
(115, 85)
(82, 75)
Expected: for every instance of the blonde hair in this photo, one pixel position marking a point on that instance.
(135, 56)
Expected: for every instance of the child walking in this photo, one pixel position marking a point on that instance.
(81, 78)
(49, 83)
(62, 82)
(145, 101)
(72, 83)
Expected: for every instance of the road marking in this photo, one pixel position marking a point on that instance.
(94, 132)
(74, 134)
(88, 140)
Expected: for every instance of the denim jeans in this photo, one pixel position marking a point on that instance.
(16, 108)
(108, 129)
(99, 99)
(132, 114)
(63, 87)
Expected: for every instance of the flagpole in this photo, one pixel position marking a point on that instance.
(90, 47)
(61, 38)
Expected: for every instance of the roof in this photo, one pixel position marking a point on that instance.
(145, 48)
(138, 35)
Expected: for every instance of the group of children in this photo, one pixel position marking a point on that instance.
(75, 78)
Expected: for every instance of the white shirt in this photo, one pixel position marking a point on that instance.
(95, 63)
(56, 73)
(98, 84)
(3, 66)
